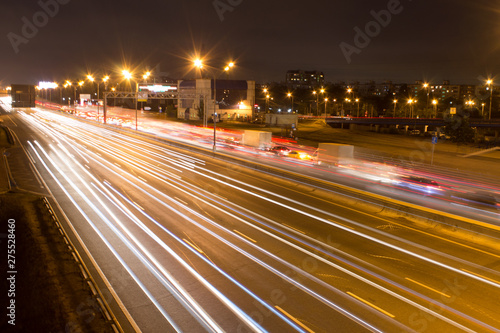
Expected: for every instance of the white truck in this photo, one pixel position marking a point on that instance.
(257, 139)
(334, 154)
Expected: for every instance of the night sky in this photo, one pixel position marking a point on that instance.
(435, 40)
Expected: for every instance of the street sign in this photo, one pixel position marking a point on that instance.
(434, 140)
(142, 96)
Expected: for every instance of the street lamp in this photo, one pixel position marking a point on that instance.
(289, 95)
(128, 76)
(326, 101)
(145, 76)
(347, 100)
(426, 86)
(199, 64)
(410, 103)
(357, 101)
(434, 103)
(267, 102)
(91, 79)
(395, 102)
(489, 83)
(315, 93)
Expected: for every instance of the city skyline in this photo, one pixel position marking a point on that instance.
(400, 41)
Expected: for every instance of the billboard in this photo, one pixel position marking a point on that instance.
(23, 95)
(157, 87)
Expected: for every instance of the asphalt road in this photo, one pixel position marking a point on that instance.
(187, 242)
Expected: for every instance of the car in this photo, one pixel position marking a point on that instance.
(299, 155)
(479, 199)
(280, 150)
(420, 184)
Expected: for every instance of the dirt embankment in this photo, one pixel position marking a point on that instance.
(50, 294)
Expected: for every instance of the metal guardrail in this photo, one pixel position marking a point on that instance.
(96, 292)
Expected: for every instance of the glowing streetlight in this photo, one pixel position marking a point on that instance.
(326, 101)
(434, 103)
(315, 93)
(126, 74)
(289, 95)
(411, 102)
(395, 102)
(199, 64)
(490, 85)
(426, 87)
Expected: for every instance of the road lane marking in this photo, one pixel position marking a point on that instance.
(295, 320)
(427, 287)
(344, 225)
(243, 235)
(182, 201)
(302, 232)
(484, 277)
(372, 305)
(135, 203)
(384, 219)
(193, 246)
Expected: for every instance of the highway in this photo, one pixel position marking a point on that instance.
(189, 242)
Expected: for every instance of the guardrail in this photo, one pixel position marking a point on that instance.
(96, 292)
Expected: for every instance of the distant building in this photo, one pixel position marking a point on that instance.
(304, 79)
(234, 99)
(467, 92)
(439, 92)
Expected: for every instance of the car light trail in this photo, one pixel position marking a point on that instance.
(168, 167)
(110, 247)
(316, 257)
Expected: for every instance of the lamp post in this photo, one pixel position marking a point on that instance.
(426, 86)
(357, 101)
(434, 103)
(326, 101)
(322, 91)
(315, 93)
(199, 64)
(91, 79)
(482, 110)
(145, 76)
(410, 103)
(395, 102)
(80, 83)
(128, 76)
(289, 95)
(489, 82)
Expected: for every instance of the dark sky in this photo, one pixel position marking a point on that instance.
(429, 40)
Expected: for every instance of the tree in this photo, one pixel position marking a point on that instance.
(459, 128)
